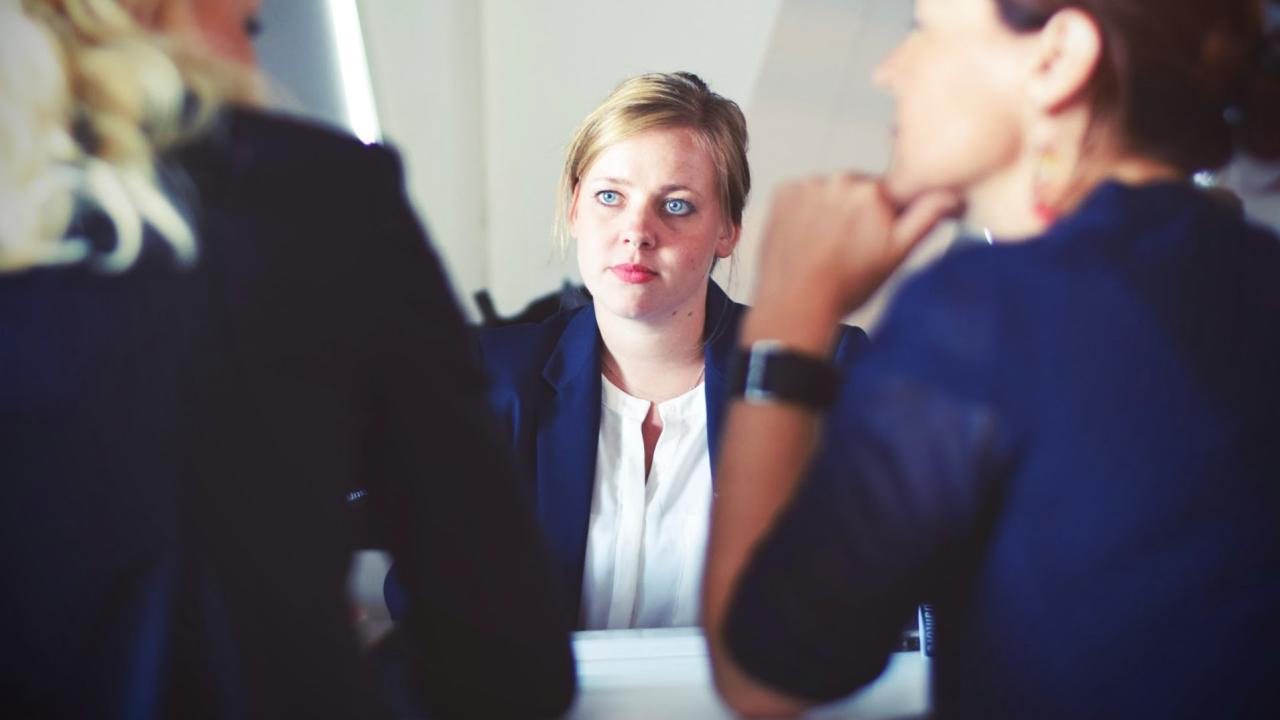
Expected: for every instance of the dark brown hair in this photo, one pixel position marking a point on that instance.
(1186, 82)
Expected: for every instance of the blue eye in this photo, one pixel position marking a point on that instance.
(676, 206)
(608, 197)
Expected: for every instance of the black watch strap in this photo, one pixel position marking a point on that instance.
(766, 372)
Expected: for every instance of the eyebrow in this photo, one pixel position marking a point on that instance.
(664, 189)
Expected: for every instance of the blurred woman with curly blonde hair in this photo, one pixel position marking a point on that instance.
(214, 323)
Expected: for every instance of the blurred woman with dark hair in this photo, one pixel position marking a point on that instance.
(1066, 441)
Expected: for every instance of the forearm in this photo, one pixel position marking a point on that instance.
(829, 245)
(765, 452)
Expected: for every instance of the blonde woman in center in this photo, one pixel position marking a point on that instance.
(614, 408)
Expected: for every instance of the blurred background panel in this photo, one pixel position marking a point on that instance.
(297, 49)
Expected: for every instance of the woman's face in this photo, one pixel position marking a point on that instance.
(958, 85)
(647, 219)
(229, 26)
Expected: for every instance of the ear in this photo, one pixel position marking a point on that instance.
(728, 240)
(1068, 52)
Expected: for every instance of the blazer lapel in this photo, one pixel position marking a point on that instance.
(723, 316)
(568, 434)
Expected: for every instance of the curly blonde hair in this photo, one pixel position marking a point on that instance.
(88, 98)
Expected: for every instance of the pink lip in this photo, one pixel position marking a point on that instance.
(633, 274)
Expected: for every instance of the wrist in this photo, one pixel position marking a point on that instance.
(769, 372)
(805, 331)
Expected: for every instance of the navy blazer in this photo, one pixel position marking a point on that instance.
(545, 384)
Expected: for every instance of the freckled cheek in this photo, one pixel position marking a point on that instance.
(695, 254)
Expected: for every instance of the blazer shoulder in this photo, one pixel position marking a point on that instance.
(515, 354)
(851, 343)
(267, 149)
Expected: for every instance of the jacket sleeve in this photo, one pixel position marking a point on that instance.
(484, 626)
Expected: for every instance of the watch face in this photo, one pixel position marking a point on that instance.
(756, 388)
(766, 373)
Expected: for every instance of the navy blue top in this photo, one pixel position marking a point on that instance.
(546, 387)
(1069, 446)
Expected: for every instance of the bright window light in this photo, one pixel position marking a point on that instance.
(353, 64)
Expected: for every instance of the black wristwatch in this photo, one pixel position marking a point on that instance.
(768, 373)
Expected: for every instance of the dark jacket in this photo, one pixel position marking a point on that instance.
(177, 445)
(545, 385)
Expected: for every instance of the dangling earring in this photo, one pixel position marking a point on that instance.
(1047, 166)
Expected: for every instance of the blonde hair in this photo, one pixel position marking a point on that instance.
(661, 100)
(89, 99)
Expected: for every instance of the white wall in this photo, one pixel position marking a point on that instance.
(425, 66)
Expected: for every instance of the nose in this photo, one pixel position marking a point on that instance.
(640, 226)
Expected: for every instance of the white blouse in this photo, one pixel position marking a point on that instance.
(646, 541)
